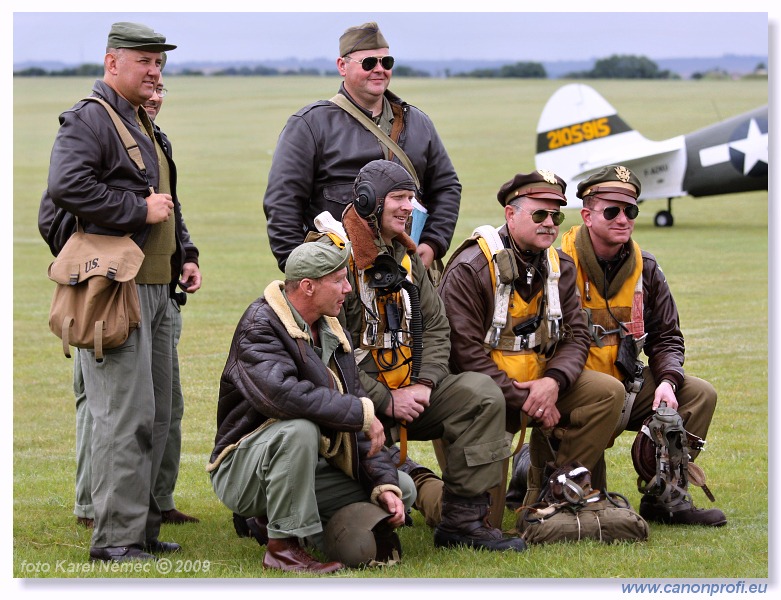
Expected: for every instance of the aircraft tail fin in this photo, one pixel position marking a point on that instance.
(579, 132)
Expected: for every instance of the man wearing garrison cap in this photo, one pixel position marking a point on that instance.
(323, 146)
(515, 315)
(628, 298)
(297, 438)
(129, 392)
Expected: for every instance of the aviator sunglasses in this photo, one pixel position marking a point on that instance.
(611, 212)
(538, 216)
(368, 63)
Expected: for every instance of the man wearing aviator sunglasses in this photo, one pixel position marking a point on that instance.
(515, 315)
(368, 63)
(629, 300)
(323, 147)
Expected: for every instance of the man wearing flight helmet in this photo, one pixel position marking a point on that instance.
(401, 335)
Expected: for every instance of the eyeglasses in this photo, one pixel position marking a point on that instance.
(368, 63)
(538, 216)
(161, 92)
(611, 212)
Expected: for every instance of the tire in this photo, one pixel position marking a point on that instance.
(663, 218)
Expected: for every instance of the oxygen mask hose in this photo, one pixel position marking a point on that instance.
(416, 325)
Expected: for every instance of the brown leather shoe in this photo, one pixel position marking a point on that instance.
(177, 517)
(85, 522)
(288, 555)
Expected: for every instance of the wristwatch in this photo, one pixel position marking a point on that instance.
(672, 385)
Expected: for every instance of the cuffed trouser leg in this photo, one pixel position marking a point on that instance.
(129, 398)
(467, 412)
(83, 505)
(169, 465)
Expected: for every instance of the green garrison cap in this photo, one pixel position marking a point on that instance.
(362, 37)
(312, 260)
(137, 37)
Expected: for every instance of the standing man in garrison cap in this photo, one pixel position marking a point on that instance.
(322, 147)
(297, 438)
(515, 315)
(93, 178)
(627, 298)
(169, 467)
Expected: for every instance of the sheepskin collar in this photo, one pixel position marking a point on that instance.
(366, 244)
(279, 304)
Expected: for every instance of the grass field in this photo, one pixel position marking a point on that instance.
(223, 132)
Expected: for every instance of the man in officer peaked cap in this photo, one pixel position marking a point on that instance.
(631, 309)
(514, 312)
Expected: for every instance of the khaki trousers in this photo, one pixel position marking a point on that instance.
(129, 400)
(278, 473)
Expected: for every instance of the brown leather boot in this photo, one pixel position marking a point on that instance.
(287, 554)
(679, 511)
(465, 523)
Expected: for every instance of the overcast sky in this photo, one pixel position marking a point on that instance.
(76, 37)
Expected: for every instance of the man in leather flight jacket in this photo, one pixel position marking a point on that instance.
(322, 148)
(92, 178)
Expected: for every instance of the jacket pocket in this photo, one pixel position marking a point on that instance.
(337, 198)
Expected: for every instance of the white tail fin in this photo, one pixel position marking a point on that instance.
(579, 132)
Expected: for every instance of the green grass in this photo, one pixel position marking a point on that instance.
(224, 132)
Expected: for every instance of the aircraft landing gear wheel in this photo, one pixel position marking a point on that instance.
(664, 218)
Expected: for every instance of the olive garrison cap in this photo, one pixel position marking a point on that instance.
(312, 260)
(362, 37)
(612, 182)
(385, 176)
(137, 37)
(538, 185)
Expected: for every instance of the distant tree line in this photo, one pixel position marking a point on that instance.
(623, 66)
(519, 70)
(618, 66)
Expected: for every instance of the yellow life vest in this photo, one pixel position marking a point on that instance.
(521, 353)
(626, 306)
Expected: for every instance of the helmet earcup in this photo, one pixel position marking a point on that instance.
(365, 200)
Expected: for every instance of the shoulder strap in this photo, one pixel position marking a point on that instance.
(491, 244)
(127, 139)
(342, 102)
